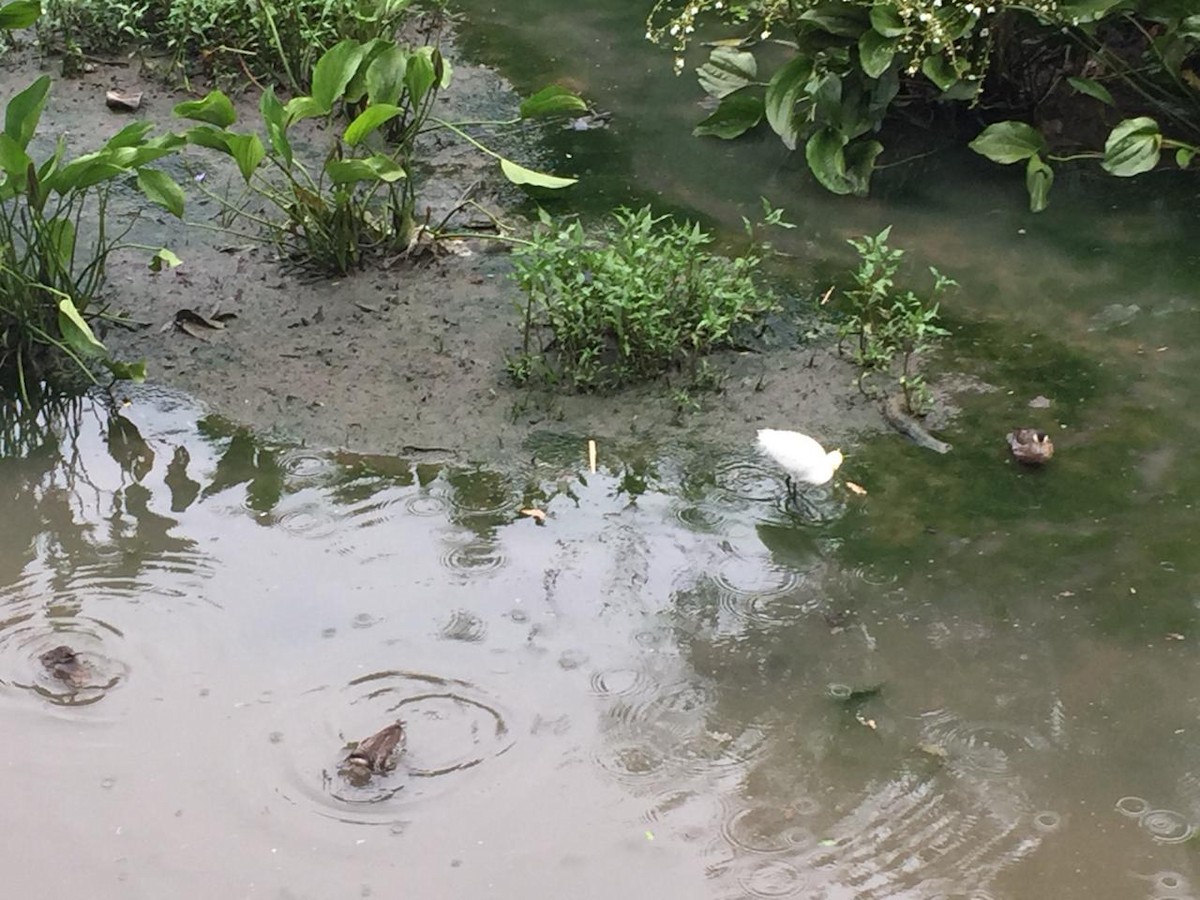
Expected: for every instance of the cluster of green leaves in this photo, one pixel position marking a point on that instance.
(890, 328)
(642, 295)
(273, 40)
(54, 237)
(852, 61)
(359, 200)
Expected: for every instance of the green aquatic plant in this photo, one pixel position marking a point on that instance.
(630, 300)
(358, 199)
(56, 239)
(890, 328)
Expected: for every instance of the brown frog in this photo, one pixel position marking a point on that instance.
(64, 664)
(375, 755)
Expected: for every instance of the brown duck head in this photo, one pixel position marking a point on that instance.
(1030, 446)
(64, 664)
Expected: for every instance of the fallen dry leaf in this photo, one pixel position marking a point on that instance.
(857, 488)
(537, 515)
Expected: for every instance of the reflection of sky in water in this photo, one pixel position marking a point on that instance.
(729, 699)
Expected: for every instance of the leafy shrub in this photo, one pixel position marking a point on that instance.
(628, 303)
(854, 61)
(889, 327)
(359, 199)
(271, 40)
(55, 241)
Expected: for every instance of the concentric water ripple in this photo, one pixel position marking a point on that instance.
(766, 829)
(748, 479)
(982, 749)
(478, 557)
(450, 727)
(307, 468)
(88, 669)
(1167, 826)
(465, 626)
(770, 878)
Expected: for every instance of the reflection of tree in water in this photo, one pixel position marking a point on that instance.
(851, 794)
(56, 511)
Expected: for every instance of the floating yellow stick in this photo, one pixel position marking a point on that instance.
(592, 456)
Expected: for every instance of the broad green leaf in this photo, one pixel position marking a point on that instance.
(302, 108)
(75, 330)
(787, 86)
(885, 19)
(826, 93)
(825, 153)
(164, 259)
(1038, 179)
(275, 119)
(1075, 11)
(842, 19)
(19, 14)
(373, 168)
(520, 175)
(726, 71)
(1190, 28)
(733, 117)
(14, 161)
(333, 72)
(421, 73)
(1184, 156)
(875, 52)
(860, 164)
(131, 135)
(247, 150)
(552, 101)
(158, 187)
(123, 371)
(385, 76)
(1009, 142)
(367, 121)
(356, 89)
(84, 172)
(207, 136)
(215, 109)
(953, 21)
(25, 110)
(1092, 88)
(1132, 147)
(940, 71)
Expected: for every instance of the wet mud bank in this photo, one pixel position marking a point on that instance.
(404, 356)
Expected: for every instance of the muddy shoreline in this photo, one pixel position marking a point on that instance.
(399, 357)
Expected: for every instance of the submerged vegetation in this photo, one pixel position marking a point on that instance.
(638, 296)
(1062, 73)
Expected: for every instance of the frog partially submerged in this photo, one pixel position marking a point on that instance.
(64, 664)
(375, 755)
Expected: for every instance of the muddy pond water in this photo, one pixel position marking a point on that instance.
(975, 681)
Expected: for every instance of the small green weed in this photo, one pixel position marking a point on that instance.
(890, 329)
(630, 302)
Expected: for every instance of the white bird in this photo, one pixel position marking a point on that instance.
(802, 458)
